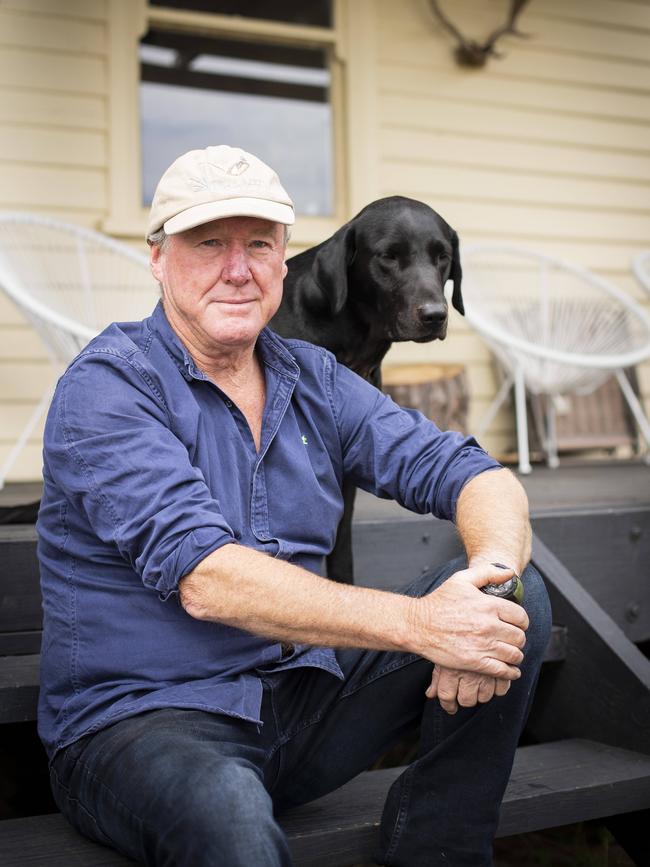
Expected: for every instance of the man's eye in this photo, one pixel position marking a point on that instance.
(210, 242)
(260, 245)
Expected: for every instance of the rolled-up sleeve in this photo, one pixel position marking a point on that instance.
(395, 452)
(110, 447)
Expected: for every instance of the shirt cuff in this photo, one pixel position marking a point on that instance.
(194, 547)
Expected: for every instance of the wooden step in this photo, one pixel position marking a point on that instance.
(19, 679)
(551, 784)
(19, 683)
(593, 544)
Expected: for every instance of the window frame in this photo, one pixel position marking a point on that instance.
(128, 21)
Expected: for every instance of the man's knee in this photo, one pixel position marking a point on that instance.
(538, 608)
(428, 581)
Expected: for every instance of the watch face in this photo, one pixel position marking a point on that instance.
(500, 589)
(510, 589)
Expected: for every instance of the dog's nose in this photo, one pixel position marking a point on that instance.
(432, 314)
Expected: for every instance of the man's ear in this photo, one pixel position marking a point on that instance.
(329, 284)
(154, 261)
(456, 274)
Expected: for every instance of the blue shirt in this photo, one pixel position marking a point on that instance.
(149, 467)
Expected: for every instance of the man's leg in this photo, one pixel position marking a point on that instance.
(443, 810)
(174, 787)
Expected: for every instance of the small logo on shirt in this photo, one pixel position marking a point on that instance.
(304, 440)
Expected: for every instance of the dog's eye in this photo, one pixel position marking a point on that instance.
(389, 255)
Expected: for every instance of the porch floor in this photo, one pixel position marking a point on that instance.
(577, 485)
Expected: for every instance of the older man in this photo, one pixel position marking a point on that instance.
(198, 673)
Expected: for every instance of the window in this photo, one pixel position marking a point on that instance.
(271, 99)
(265, 76)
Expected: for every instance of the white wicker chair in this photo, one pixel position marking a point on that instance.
(69, 282)
(556, 329)
(641, 268)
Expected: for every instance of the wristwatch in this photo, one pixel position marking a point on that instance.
(512, 589)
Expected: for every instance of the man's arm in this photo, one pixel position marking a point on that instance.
(492, 520)
(455, 626)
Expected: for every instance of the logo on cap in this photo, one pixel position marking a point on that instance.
(239, 167)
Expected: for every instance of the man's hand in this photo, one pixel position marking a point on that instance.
(460, 628)
(454, 688)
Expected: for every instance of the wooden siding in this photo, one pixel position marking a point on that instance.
(53, 160)
(548, 146)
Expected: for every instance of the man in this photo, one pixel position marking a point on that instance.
(193, 471)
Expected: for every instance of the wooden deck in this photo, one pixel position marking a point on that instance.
(575, 485)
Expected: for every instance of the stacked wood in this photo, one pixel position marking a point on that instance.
(598, 420)
(439, 391)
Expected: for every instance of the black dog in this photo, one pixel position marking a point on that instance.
(378, 279)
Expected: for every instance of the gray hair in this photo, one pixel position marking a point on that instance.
(159, 238)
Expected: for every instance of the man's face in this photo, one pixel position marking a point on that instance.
(222, 282)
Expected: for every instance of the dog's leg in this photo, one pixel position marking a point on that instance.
(340, 566)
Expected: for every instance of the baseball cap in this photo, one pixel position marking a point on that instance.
(217, 182)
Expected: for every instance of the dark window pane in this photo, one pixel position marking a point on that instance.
(315, 13)
(268, 99)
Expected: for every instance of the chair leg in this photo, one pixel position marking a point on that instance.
(494, 407)
(635, 406)
(33, 420)
(522, 423)
(552, 458)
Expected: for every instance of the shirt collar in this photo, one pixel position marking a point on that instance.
(273, 352)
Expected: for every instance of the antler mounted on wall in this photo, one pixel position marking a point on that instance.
(468, 52)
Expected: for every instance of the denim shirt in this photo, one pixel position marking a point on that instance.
(149, 467)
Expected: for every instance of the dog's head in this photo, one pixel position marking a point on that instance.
(389, 265)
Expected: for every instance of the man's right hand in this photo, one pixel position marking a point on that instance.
(458, 627)
(454, 688)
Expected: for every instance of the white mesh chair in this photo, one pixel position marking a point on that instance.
(641, 268)
(69, 282)
(555, 329)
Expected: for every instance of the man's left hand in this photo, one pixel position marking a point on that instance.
(454, 687)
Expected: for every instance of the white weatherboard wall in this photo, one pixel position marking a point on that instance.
(548, 146)
(52, 160)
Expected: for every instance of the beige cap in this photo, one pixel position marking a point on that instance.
(214, 183)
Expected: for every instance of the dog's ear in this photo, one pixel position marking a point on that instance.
(329, 284)
(456, 274)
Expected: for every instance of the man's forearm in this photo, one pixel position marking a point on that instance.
(249, 590)
(492, 520)
(455, 625)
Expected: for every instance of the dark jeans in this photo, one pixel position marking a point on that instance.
(186, 788)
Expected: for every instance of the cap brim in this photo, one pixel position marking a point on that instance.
(276, 212)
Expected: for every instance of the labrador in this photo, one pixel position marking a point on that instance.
(379, 279)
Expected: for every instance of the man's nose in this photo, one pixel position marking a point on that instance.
(236, 270)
